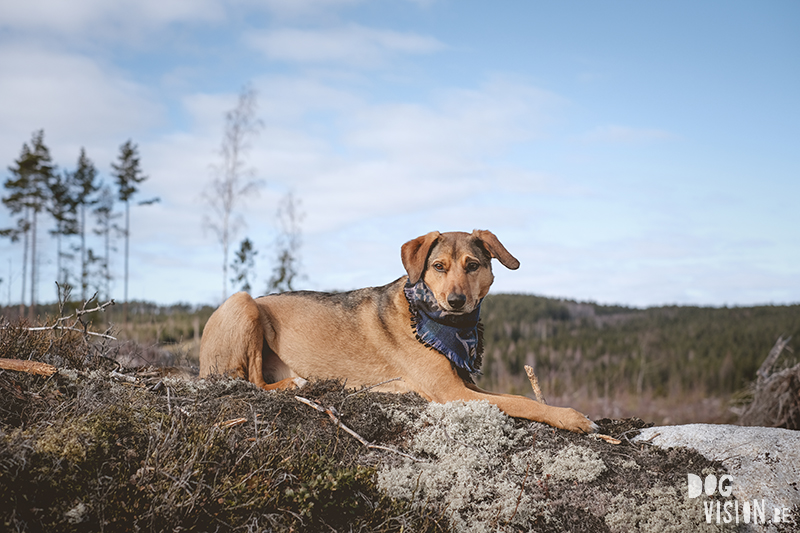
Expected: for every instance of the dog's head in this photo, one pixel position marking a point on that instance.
(456, 266)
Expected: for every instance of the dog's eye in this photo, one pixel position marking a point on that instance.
(438, 267)
(472, 267)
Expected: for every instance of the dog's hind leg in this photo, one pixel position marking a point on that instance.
(234, 344)
(257, 352)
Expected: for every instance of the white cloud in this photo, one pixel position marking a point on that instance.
(294, 8)
(626, 135)
(366, 185)
(90, 18)
(350, 45)
(286, 9)
(460, 128)
(77, 101)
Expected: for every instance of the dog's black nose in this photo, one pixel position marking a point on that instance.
(456, 301)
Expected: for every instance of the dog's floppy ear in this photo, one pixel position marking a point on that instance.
(496, 249)
(414, 253)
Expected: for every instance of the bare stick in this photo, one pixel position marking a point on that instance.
(70, 328)
(535, 385)
(609, 439)
(31, 367)
(230, 423)
(359, 438)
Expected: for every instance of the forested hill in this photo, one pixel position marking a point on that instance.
(578, 350)
(604, 351)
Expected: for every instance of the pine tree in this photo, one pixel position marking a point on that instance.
(28, 194)
(287, 244)
(61, 206)
(85, 186)
(243, 265)
(107, 229)
(128, 174)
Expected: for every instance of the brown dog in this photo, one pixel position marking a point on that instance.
(421, 328)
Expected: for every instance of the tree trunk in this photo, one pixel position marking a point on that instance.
(106, 259)
(83, 253)
(24, 267)
(34, 265)
(58, 258)
(127, 239)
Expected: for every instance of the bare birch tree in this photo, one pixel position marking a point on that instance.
(232, 180)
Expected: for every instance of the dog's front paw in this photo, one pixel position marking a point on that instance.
(572, 420)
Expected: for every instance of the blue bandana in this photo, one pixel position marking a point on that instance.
(457, 337)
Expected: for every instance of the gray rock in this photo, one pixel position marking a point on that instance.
(764, 462)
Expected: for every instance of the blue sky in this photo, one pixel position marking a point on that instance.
(626, 152)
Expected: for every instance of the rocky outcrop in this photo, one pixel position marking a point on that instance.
(764, 465)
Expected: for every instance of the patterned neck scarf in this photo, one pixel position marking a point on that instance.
(457, 337)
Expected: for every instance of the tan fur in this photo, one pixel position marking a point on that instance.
(365, 336)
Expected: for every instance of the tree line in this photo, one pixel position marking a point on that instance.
(76, 203)
(604, 351)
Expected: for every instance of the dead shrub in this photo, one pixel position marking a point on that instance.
(776, 394)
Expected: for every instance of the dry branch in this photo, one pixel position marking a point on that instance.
(609, 439)
(31, 367)
(331, 412)
(776, 395)
(58, 324)
(56, 327)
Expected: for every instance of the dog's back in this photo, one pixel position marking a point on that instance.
(348, 335)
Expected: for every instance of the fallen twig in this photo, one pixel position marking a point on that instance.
(230, 423)
(331, 413)
(608, 438)
(31, 367)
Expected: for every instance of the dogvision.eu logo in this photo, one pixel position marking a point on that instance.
(733, 511)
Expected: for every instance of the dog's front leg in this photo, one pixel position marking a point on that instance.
(522, 407)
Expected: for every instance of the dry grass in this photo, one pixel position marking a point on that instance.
(97, 447)
(89, 450)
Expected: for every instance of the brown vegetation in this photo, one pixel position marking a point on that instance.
(96, 446)
(776, 393)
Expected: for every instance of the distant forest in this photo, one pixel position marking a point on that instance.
(604, 351)
(581, 352)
